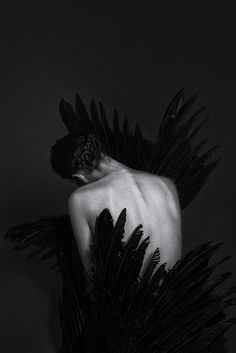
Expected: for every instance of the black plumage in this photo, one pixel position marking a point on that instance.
(115, 308)
(178, 310)
(176, 154)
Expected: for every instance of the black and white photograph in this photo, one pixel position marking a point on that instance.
(118, 223)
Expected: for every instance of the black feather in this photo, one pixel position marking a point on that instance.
(174, 155)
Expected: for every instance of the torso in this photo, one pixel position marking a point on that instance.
(149, 199)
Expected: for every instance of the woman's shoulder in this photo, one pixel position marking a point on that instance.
(171, 195)
(161, 181)
(168, 182)
(83, 195)
(165, 188)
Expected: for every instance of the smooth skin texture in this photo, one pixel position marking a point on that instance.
(149, 199)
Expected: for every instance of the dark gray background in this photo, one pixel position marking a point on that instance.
(133, 57)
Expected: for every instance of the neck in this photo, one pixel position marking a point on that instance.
(108, 165)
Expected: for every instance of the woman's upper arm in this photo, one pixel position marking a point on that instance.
(78, 215)
(80, 228)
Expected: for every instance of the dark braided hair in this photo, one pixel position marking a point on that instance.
(74, 152)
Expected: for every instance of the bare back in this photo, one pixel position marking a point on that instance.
(148, 199)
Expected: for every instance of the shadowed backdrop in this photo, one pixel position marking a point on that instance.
(130, 57)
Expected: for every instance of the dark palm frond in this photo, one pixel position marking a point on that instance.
(174, 106)
(182, 310)
(121, 143)
(101, 243)
(52, 237)
(117, 265)
(68, 116)
(179, 143)
(83, 120)
(164, 310)
(150, 293)
(132, 280)
(107, 132)
(141, 294)
(72, 310)
(106, 251)
(187, 298)
(116, 132)
(48, 235)
(194, 186)
(128, 253)
(116, 245)
(176, 151)
(116, 122)
(97, 127)
(176, 154)
(46, 255)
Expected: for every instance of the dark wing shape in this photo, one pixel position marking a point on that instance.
(72, 306)
(47, 235)
(188, 311)
(53, 237)
(50, 237)
(177, 311)
(119, 142)
(176, 154)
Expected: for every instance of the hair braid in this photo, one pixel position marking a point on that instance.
(74, 152)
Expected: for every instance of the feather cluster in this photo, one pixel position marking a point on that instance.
(182, 310)
(175, 154)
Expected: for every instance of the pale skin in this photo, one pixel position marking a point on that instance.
(149, 199)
